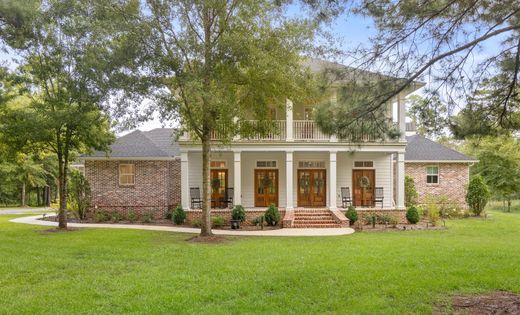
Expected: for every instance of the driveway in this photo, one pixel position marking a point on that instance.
(15, 210)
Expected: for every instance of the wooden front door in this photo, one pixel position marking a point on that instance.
(363, 182)
(219, 181)
(266, 187)
(312, 188)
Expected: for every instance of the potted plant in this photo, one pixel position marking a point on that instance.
(237, 215)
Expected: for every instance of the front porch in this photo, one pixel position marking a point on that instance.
(298, 179)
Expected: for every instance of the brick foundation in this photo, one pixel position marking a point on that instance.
(399, 214)
(251, 214)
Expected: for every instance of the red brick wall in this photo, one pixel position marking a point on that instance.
(453, 178)
(157, 186)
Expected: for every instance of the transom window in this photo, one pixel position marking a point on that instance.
(432, 174)
(265, 163)
(363, 163)
(311, 164)
(126, 174)
(217, 164)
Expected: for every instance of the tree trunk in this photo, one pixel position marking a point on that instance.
(62, 188)
(38, 200)
(206, 188)
(509, 204)
(23, 195)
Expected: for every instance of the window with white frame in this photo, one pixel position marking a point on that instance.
(263, 164)
(217, 164)
(432, 175)
(126, 174)
(311, 164)
(363, 163)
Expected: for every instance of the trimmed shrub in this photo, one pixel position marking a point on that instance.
(116, 217)
(179, 215)
(238, 213)
(132, 216)
(147, 217)
(196, 223)
(218, 221)
(410, 193)
(351, 214)
(478, 195)
(272, 215)
(102, 216)
(412, 215)
(258, 220)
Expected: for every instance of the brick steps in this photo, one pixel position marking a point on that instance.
(309, 218)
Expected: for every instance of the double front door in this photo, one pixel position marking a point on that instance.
(312, 188)
(219, 183)
(266, 187)
(363, 182)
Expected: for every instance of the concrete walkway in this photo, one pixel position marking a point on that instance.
(23, 210)
(281, 232)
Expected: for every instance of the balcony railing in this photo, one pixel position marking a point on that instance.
(279, 130)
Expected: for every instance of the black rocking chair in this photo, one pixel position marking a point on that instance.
(379, 196)
(227, 201)
(345, 197)
(196, 201)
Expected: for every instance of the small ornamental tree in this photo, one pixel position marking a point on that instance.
(412, 215)
(79, 194)
(410, 193)
(352, 215)
(478, 195)
(272, 216)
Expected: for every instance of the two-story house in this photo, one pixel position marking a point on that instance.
(297, 168)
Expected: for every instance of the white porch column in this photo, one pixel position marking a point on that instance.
(289, 180)
(237, 177)
(401, 116)
(332, 180)
(289, 120)
(400, 181)
(185, 181)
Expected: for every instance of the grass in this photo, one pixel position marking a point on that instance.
(94, 271)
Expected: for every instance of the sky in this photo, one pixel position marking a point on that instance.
(350, 32)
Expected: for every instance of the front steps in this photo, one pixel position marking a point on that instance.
(315, 218)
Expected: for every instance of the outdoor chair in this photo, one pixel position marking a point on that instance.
(379, 196)
(196, 201)
(345, 197)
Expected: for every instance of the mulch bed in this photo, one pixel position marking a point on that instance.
(57, 230)
(399, 227)
(214, 239)
(499, 302)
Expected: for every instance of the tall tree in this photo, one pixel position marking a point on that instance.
(215, 65)
(30, 174)
(62, 49)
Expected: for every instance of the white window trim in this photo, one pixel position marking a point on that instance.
(363, 167)
(266, 167)
(219, 168)
(120, 174)
(438, 174)
(312, 160)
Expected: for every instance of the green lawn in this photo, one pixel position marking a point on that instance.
(124, 271)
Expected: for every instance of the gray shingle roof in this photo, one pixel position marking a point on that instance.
(421, 149)
(138, 144)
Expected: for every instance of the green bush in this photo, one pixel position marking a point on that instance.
(238, 213)
(258, 220)
(147, 217)
(132, 216)
(351, 214)
(410, 193)
(412, 215)
(432, 210)
(272, 215)
(115, 217)
(218, 221)
(196, 223)
(102, 216)
(79, 194)
(179, 215)
(477, 195)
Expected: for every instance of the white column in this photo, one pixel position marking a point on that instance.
(401, 116)
(400, 181)
(289, 180)
(185, 181)
(237, 177)
(332, 180)
(289, 120)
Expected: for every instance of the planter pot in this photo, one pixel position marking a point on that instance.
(235, 224)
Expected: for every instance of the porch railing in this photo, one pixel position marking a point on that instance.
(308, 130)
(274, 130)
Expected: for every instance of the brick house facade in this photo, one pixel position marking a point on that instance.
(453, 178)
